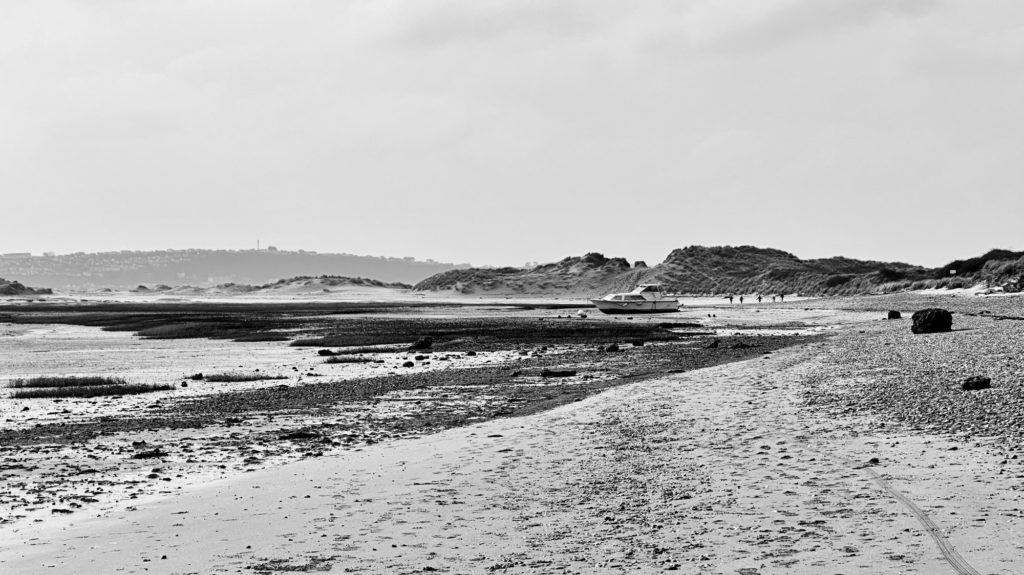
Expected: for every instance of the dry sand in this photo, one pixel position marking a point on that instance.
(713, 471)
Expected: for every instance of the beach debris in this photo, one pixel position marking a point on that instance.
(150, 453)
(299, 434)
(976, 382)
(932, 320)
(557, 372)
(422, 343)
(325, 352)
(893, 314)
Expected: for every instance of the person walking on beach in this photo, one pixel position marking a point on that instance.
(773, 299)
(782, 297)
(741, 300)
(730, 299)
(758, 298)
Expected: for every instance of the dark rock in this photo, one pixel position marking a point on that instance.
(713, 344)
(184, 384)
(639, 264)
(638, 343)
(299, 434)
(325, 352)
(408, 364)
(196, 376)
(158, 452)
(470, 353)
(931, 320)
(976, 382)
(557, 372)
(420, 357)
(893, 314)
(612, 347)
(422, 343)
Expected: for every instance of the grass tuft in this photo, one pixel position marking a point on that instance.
(347, 359)
(68, 381)
(88, 391)
(234, 377)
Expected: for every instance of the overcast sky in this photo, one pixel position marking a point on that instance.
(501, 132)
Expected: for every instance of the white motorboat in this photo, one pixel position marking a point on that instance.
(646, 298)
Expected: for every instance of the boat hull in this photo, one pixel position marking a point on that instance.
(632, 307)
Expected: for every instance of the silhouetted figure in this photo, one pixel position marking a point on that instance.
(741, 300)
(758, 298)
(730, 300)
(782, 297)
(773, 299)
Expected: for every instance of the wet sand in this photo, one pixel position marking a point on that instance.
(712, 471)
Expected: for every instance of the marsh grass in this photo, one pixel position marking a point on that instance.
(236, 377)
(50, 389)
(68, 381)
(347, 359)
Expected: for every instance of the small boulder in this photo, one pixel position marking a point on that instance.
(713, 344)
(612, 347)
(931, 320)
(408, 364)
(325, 353)
(557, 372)
(976, 382)
(422, 343)
(638, 343)
(893, 314)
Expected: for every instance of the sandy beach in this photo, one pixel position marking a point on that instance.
(725, 469)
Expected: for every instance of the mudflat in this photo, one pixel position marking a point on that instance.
(768, 443)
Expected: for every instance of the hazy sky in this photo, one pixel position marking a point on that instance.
(500, 132)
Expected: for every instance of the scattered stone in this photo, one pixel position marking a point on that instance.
(325, 352)
(557, 372)
(299, 434)
(713, 344)
(931, 320)
(184, 384)
(196, 376)
(611, 348)
(422, 343)
(893, 314)
(976, 382)
(149, 454)
(638, 343)
(408, 364)
(470, 353)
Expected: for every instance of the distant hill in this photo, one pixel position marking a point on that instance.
(700, 270)
(205, 268)
(16, 288)
(302, 285)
